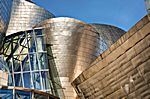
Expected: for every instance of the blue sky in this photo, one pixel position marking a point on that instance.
(121, 13)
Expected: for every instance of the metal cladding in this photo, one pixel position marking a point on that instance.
(5, 11)
(75, 46)
(108, 35)
(147, 3)
(24, 15)
(122, 71)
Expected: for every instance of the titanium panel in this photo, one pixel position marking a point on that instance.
(5, 11)
(147, 4)
(75, 46)
(25, 14)
(108, 35)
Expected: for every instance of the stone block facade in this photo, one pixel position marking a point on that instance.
(122, 71)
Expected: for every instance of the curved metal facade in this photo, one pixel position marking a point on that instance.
(147, 4)
(74, 44)
(108, 35)
(5, 11)
(24, 15)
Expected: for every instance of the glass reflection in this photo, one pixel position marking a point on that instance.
(28, 60)
(34, 62)
(6, 94)
(27, 81)
(40, 96)
(37, 80)
(22, 95)
(18, 80)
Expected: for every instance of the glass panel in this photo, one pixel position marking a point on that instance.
(40, 96)
(9, 64)
(45, 80)
(40, 45)
(16, 66)
(6, 94)
(32, 45)
(18, 80)
(43, 60)
(25, 64)
(36, 80)
(34, 62)
(22, 95)
(27, 80)
(38, 32)
(1, 65)
(10, 80)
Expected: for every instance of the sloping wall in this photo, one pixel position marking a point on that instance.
(122, 71)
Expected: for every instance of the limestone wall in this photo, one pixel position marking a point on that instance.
(122, 71)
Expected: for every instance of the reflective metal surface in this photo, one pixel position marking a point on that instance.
(5, 11)
(108, 35)
(25, 14)
(147, 4)
(75, 46)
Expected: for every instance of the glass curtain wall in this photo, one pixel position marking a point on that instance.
(26, 57)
